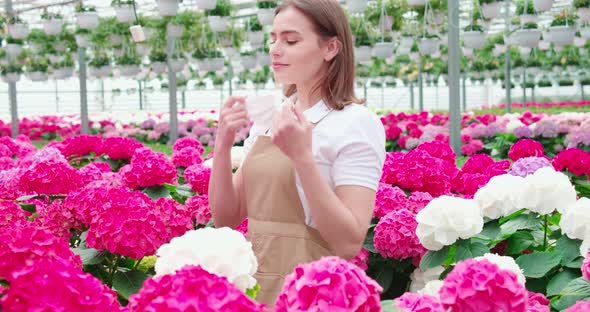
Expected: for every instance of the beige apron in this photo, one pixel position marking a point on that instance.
(276, 220)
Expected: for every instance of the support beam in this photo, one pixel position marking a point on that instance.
(183, 97)
(140, 95)
(412, 106)
(83, 92)
(464, 90)
(454, 85)
(173, 134)
(12, 85)
(420, 86)
(507, 78)
(524, 87)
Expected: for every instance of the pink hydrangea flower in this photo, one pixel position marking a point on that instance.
(574, 160)
(177, 217)
(580, 306)
(421, 172)
(361, 259)
(187, 157)
(10, 187)
(191, 289)
(525, 148)
(50, 177)
(119, 147)
(7, 163)
(93, 171)
(198, 177)
(88, 202)
(392, 161)
(58, 286)
(26, 245)
(11, 214)
(472, 147)
(388, 199)
(5, 151)
(528, 165)
(81, 145)
(479, 285)
(586, 267)
(329, 284)
(411, 302)
(149, 168)
(198, 206)
(417, 201)
(537, 302)
(440, 150)
(243, 228)
(57, 219)
(185, 142)
(395, 236)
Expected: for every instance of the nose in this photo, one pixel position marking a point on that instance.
(274, 50)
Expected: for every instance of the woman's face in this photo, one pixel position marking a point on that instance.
(296, 51)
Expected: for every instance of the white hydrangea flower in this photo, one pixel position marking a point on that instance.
(503, 195)
(505, 263)
(221, 251)
(432, 288)
(513, 124)
(420, 278)
(584, 247)
(550, 190)
(575, 221)
(447, 218)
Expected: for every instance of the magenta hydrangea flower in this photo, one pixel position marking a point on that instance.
(586, 267)
(7, 163)
(537, 302)
(198, 206)
(10, 187)
(5, 151)
(50, 177)
(149, 168)
(88, 202)
(119, 147)
(528, 165)
(388, 199)
(58, 286)
(191, 289)
(198, 177)
(361, 259)
(187, 157)
(11, 214)
(392, 162)
(24, 245)
(93, 171)
(525, 148)
(81, 145)
(329, 284)
(440, 150)
(421, 172)
(57, 219)
(185, 142)
(472, 147)
(417, 201)
(411, 302)
(395, 236)
(574, 160)
(243, 228)
(480, 285)
(178, 218)
(580, 306)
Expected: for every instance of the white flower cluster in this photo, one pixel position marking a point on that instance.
(575, 223)
(221, 251)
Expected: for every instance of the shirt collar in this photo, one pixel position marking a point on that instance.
(315, 113)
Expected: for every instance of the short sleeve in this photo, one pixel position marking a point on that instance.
(361, 153)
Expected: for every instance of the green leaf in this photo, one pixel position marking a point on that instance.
(185, 190)
(512, 216)
(252, 292)
(27, 197)
(128, 283)
(578, 289)
(521, 222)
(560, 281)
(389, 306)
(90, 256)
(575, 264)
(385, 277)
(568, 248)
(32, 208)
(538, 264)
(368, 245)
(155, 192)
(583, 190)
(434, 258)
(491, 230)
(467, 249)
(518, 242)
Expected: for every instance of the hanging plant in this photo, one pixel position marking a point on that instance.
(581, 4)
(11, 68)
(157, 55)
(99, 61)
(128, 59)
(223, 8)
(530, 9)
(255, 24)
(563, 19)
(40, 65)
(266, 4)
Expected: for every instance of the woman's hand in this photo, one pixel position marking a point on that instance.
(292, 133)
(232, 116)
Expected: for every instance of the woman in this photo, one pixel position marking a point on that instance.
(307, 184)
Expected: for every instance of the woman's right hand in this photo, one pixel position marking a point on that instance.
(232, 116)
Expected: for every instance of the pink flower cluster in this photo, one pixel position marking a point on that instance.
(148, 168)
(186, 157)
(57, 219)
(89, 202)
(528, 165)
(525, 148)
(411, 302)
(580, 306)
(54, 285)
(388, 199)
(81, 145)
(330, 283)
(574, 160)
(395, 236)
(50, 177)
(119, 147)
(586, 267)
(198, 206)
(176, 217)
(190, 289)
(361, 259)
(479, 285)
(185, 142)
(537, 303)
(476, 172)
(11, 214)
(93, 171)
(198, 177)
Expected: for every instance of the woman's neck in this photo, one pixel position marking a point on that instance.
(307, 96)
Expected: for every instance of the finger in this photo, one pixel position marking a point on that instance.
(286, 113)
(300, 116)
(240, 115)
(233, 100)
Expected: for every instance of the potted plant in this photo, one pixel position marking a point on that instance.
(86, 16)
(206, 4)
(583, 7)
(266, 11)
(13, 46)
(65, 68)
(158, 59)
(428, 44)
(528, 35)
(124, 10)
(249, 59)
(174, 30)
(528, 14)
(416, 3)
(562, 31)
(219, 17)
(384, 48)
(363, 40)
(543, 5)
(82, 38)
(263, 57)
(474, 36)
(215, 59)
(52, 22)
(490, 8)
(167, 7)
(356, 6)
(177, 62)
(100, 65)
(255, 33)
(128, 64)
(37, 69)
(11, 72)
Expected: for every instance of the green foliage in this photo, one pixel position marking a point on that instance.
(121, 2)
(46, 15)
(581, 4)
(157, 55)
(38, 65)
(223, 8)
(266, 4)
(255, 24)
(100, 61)
(128, 59)
(81, 8)
(520, 9)
(473, 27)
(11, 68)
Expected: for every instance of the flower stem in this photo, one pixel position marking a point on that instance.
(113, 270)
(137, 263)
(545, 236)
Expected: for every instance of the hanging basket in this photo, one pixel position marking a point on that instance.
(383, 50)
(249, 61)
(256, 37)
(585, 32)
(159, 67)
(53, 26)
(491, 10)
(13, 49)
(37, 76)
(415, 3)
(562, 35)
(362, 54)
(528, 18)
(206, 4)
(118, 52)
(584, 14)
(356, 6)
(428, 46)
(53, 58)
(124, 13)
(83, 41)
(266, 16)
(406, 41)
(527, 37)
(142, 49)
(129, 70)
(542, 5)
(115, 39)
(87, 20)
(177, 65)
(18, 30)
(218, 23)
(525, 52)
(474, 39)
(11, 77)
(544, 45)
(167, 7)
(174, 30)
(579, 42)
(63, 73)
(263, 59)
(499, 49)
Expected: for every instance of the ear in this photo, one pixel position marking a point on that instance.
(333, 47)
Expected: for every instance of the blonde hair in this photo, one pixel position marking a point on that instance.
(329, 20)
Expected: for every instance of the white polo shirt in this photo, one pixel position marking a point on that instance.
(348, 146)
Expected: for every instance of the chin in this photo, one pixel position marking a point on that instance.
(281, 79)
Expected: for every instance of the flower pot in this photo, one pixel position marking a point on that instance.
(83, 40)
(115, 39)
(167, 7)
(584, 14)
(356, 6)
(37, 76)
(406, 41)
(87, 20)
(579, 42)
(118, 52)
(562, 35)
(468, 52)
(266, 16)
(174, 30)
(218, 23)
(159, 67)
(256, 37)
(53, 58)
(18, 30)
(129, 70)
(383, 50)
(60, 47)
(414, 3)
(585, 32)
(363, 54)
(527, 37)
(63, 73)
(124, 13)
(528, 18)
(491, 10)
(263, 58)
(206, 4)
(474, 39)
(499, 49)
(138, 33)
(11, 77)
(14, 49)
(36, 48)
(177, 65)
(428, 46)
(216, 64)
(544, 45)
(525, 52)
(53, 26)
(249, 61)
(542, 5)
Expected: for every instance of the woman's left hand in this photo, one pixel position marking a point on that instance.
(292, 133)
